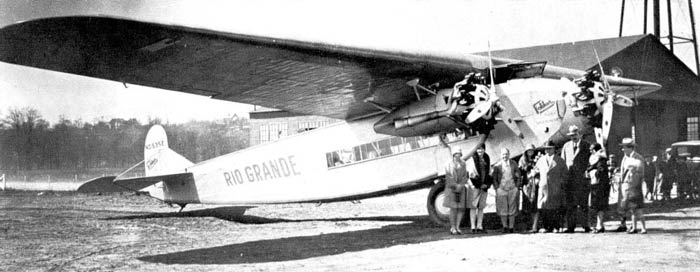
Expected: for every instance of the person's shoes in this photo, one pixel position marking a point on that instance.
(549, 230)
(453, 232)
(632, 231)
(473, 231)
(601, 230)
(459, 232)
(504, 230)
(512, 230)
(621, 228)
(586, 229)
(644, 231)
(480, 231)
(568, 231)
(534, 231)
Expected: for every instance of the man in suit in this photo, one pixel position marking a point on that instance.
(576, 153)
(506, 180)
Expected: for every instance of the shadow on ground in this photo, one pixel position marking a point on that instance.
(418, 230)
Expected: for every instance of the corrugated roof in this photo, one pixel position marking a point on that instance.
(577, 55)
(641, 57)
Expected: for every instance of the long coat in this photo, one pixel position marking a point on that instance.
(577, 185)
(456, 178)
(551, 172)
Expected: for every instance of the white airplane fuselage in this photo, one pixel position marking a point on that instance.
(348, 160)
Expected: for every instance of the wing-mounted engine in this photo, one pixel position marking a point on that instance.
(472, 104)
(447, 110)
(594, 100)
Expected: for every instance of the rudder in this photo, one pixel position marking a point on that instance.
(159, 159)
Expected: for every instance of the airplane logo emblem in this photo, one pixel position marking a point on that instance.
(542, 106)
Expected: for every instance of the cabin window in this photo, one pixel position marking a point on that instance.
(692, 128)
(272, 131)
(305, 126)
(384, 147)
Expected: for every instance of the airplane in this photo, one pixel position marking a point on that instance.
(403, 111)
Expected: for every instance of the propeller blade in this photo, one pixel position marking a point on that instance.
(599, 136)
(480, 110)
(607, 120)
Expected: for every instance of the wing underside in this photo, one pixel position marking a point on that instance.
(302, 77)
(297, 76)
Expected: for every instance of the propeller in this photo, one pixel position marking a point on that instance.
(492, 106)
(604, 101)
(484, 108)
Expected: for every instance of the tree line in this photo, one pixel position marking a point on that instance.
(29, 142)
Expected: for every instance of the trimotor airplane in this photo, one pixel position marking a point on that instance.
(397, 107)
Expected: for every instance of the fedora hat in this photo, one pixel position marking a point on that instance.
(628, 142)
(573, 130)
(548, 144)
(530, 147)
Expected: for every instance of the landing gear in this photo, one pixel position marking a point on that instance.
(182, 206)
(437, 213)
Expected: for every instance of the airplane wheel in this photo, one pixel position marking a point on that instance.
(438, 214)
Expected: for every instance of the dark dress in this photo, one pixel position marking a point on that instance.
(529, 197)
(669, 170)
(600, 192)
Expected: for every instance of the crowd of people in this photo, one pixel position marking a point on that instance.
(559, 190)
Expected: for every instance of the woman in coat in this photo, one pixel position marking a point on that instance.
(456, 178)
(479, 168)
(526, 164)
(600, 184)
(551, 170)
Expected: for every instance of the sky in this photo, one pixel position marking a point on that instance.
(450, 26)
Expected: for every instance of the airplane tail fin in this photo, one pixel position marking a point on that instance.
(159, 159)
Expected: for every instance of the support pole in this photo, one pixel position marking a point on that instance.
(670, 25)
(657, 19)
(646, 8)
(695, 41)
(622, 17)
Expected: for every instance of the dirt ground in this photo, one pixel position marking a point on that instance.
(124, 232)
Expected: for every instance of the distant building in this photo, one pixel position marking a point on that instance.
(268, 124)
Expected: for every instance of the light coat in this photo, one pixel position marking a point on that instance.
(456, 179)
(551, 172)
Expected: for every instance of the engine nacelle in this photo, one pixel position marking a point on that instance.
(440, 113)
(418, 118)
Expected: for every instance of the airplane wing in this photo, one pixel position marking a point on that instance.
(305, 77)
(297, 76)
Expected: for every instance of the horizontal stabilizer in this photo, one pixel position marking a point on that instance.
(143, 182)
(100, 185)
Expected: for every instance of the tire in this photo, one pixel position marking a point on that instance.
(437, 213)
